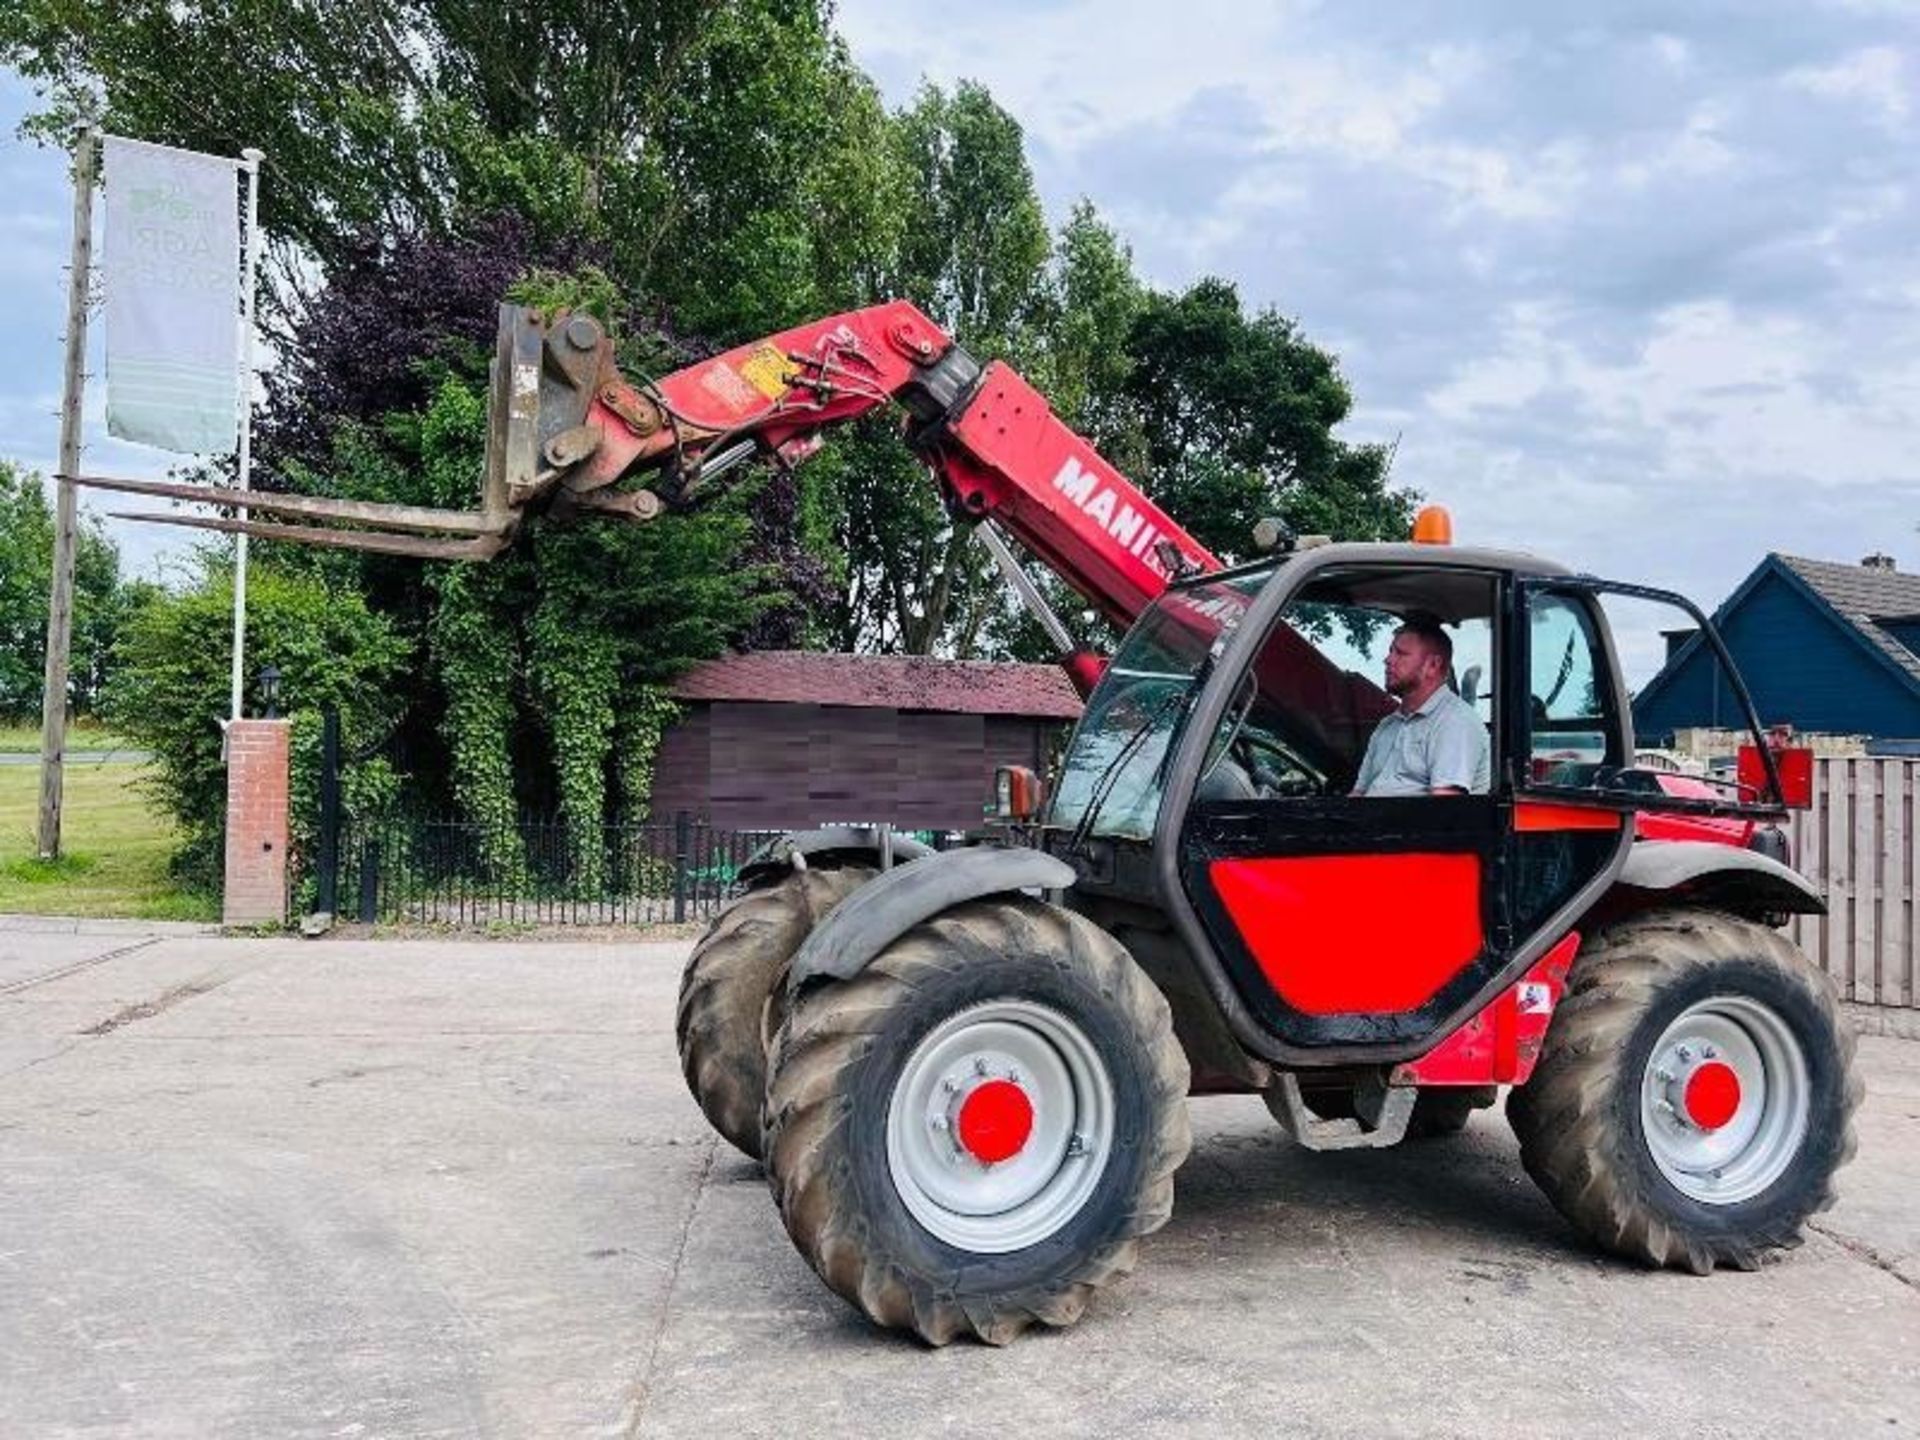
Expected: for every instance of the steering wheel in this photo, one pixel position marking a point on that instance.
(1269, 781)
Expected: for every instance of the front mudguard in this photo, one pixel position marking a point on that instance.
(892, 903)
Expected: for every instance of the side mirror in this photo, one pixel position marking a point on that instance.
(1018, 793)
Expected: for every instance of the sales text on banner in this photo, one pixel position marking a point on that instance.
(172, 276)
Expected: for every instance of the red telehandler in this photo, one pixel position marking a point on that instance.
(967, 1072)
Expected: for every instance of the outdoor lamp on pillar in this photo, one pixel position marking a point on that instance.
(270, 690)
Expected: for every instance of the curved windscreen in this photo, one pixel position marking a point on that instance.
(1116, 763)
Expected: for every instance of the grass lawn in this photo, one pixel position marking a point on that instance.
(115, 844)
(83, 736)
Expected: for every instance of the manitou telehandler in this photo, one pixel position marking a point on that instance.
(967, 1072)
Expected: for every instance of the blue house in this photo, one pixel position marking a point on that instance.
(1824, 647)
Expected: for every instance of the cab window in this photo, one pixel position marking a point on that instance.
(1301, 722)
(1572, 736)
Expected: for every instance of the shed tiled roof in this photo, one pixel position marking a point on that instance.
(1864, 595)
(895, 682)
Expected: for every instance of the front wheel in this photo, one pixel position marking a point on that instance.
(971, 1135)
(1695, 1095)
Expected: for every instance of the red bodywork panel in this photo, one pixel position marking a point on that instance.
(1531, 816)
(1355, 934)
(1500, 1045)
(1715, 829)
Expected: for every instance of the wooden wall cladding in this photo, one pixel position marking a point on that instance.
(790, 766)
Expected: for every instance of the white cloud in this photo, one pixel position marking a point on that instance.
(1880, 78)
(1079, 72)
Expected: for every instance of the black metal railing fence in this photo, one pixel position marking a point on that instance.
(410, 869)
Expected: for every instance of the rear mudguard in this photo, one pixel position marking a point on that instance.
(850, 840)
(1744, 881)
(890, 904)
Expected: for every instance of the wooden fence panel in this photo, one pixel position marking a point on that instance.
(1860, 846)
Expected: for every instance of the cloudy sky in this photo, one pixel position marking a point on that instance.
(1634, 285)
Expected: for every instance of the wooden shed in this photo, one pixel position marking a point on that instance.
(785, 739)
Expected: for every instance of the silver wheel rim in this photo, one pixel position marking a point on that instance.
(1725, 1163)
(992, 1209)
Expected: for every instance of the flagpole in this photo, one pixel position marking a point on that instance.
(250, 162)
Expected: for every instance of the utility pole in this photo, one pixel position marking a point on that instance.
(53, 705)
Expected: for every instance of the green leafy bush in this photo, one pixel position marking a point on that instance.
(170, 691)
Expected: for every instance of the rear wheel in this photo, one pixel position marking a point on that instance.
(1695, 1095)
(731, 990)
(971, 1135)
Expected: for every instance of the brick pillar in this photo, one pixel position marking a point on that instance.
(256, 888)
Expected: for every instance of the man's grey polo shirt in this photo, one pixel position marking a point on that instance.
(1441, 745)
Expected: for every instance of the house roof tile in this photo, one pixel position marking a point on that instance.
(1864, 595)
(897, 682)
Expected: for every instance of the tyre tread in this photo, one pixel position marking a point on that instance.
(725, 986)
(828, 1032)
(1561, 1114)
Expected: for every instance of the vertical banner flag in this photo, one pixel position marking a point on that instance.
(172, 272)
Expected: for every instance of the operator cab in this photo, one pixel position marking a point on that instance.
(1212, 778)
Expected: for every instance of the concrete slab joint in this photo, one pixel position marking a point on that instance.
(257, 785)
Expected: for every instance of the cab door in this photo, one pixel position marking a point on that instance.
(1349, 924)
(1581, 795)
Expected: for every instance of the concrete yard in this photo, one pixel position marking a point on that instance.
(341, 1188)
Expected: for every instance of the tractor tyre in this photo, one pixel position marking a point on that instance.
(971, 1135)
(731, 992)
(1695, 1093)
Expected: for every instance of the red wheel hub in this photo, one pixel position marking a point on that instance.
(995, 1120)
(1712, 1095)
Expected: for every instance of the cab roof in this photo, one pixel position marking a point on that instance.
(1452, 583)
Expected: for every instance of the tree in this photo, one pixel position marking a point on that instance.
(100, 601)
(1090, 300)
(336, 104)
(973, 254)
(727, 151)
(567, 638)
(1238, 414)
(975, 248)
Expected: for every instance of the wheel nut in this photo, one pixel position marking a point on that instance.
(1685, 1054)
(979, 1065)
(1013, 1075)
(939, 1122)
